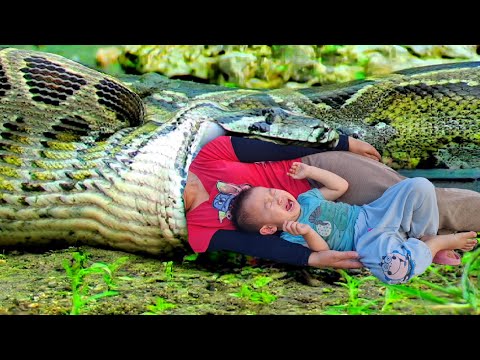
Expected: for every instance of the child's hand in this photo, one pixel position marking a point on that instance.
(296, 228)
(298, 170)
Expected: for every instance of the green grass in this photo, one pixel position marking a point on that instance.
(38, 284)
(81, 278)
(251, 291)
(444, 294)
(160, 306)
(355, 305)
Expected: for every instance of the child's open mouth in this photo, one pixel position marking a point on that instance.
(289, 205)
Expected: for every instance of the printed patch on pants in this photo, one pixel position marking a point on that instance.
(398, 266)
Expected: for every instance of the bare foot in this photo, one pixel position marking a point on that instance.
(465, 241)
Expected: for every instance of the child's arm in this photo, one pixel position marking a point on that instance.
(334, 186)
(314, 240)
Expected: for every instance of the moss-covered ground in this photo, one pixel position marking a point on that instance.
(38, 283)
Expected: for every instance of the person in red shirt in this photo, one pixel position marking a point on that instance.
(227, 164)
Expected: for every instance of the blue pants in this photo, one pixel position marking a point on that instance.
(387, 231)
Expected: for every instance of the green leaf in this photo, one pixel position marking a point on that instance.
(418, 293)
(230, 84)
(261, 281)
(449, 290)
(191, 257)
(128, 278)
(360, 75)
(101, 295)
(160, 306)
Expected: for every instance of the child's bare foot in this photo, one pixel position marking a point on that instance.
(446, 257)
(465, 241)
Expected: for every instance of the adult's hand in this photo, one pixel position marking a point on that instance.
(363, 148)
(335, 259)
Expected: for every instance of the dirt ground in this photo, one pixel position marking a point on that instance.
(37, 283)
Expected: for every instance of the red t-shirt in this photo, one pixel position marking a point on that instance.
(223, 176)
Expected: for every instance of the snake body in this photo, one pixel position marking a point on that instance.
(86, 158)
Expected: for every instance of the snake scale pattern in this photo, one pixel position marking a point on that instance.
(86, 158)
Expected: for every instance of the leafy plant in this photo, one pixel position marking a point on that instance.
(360, 75)
(190, 257)
(355, 305)
(78, 272)
(410, 290)
(463, 297)
(262, 297)
(470, 290)
(168, 270)
(160, 306)
(261, 281)
(390, 298)
(249, 291)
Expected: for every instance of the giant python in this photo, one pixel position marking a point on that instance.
(88, 159)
